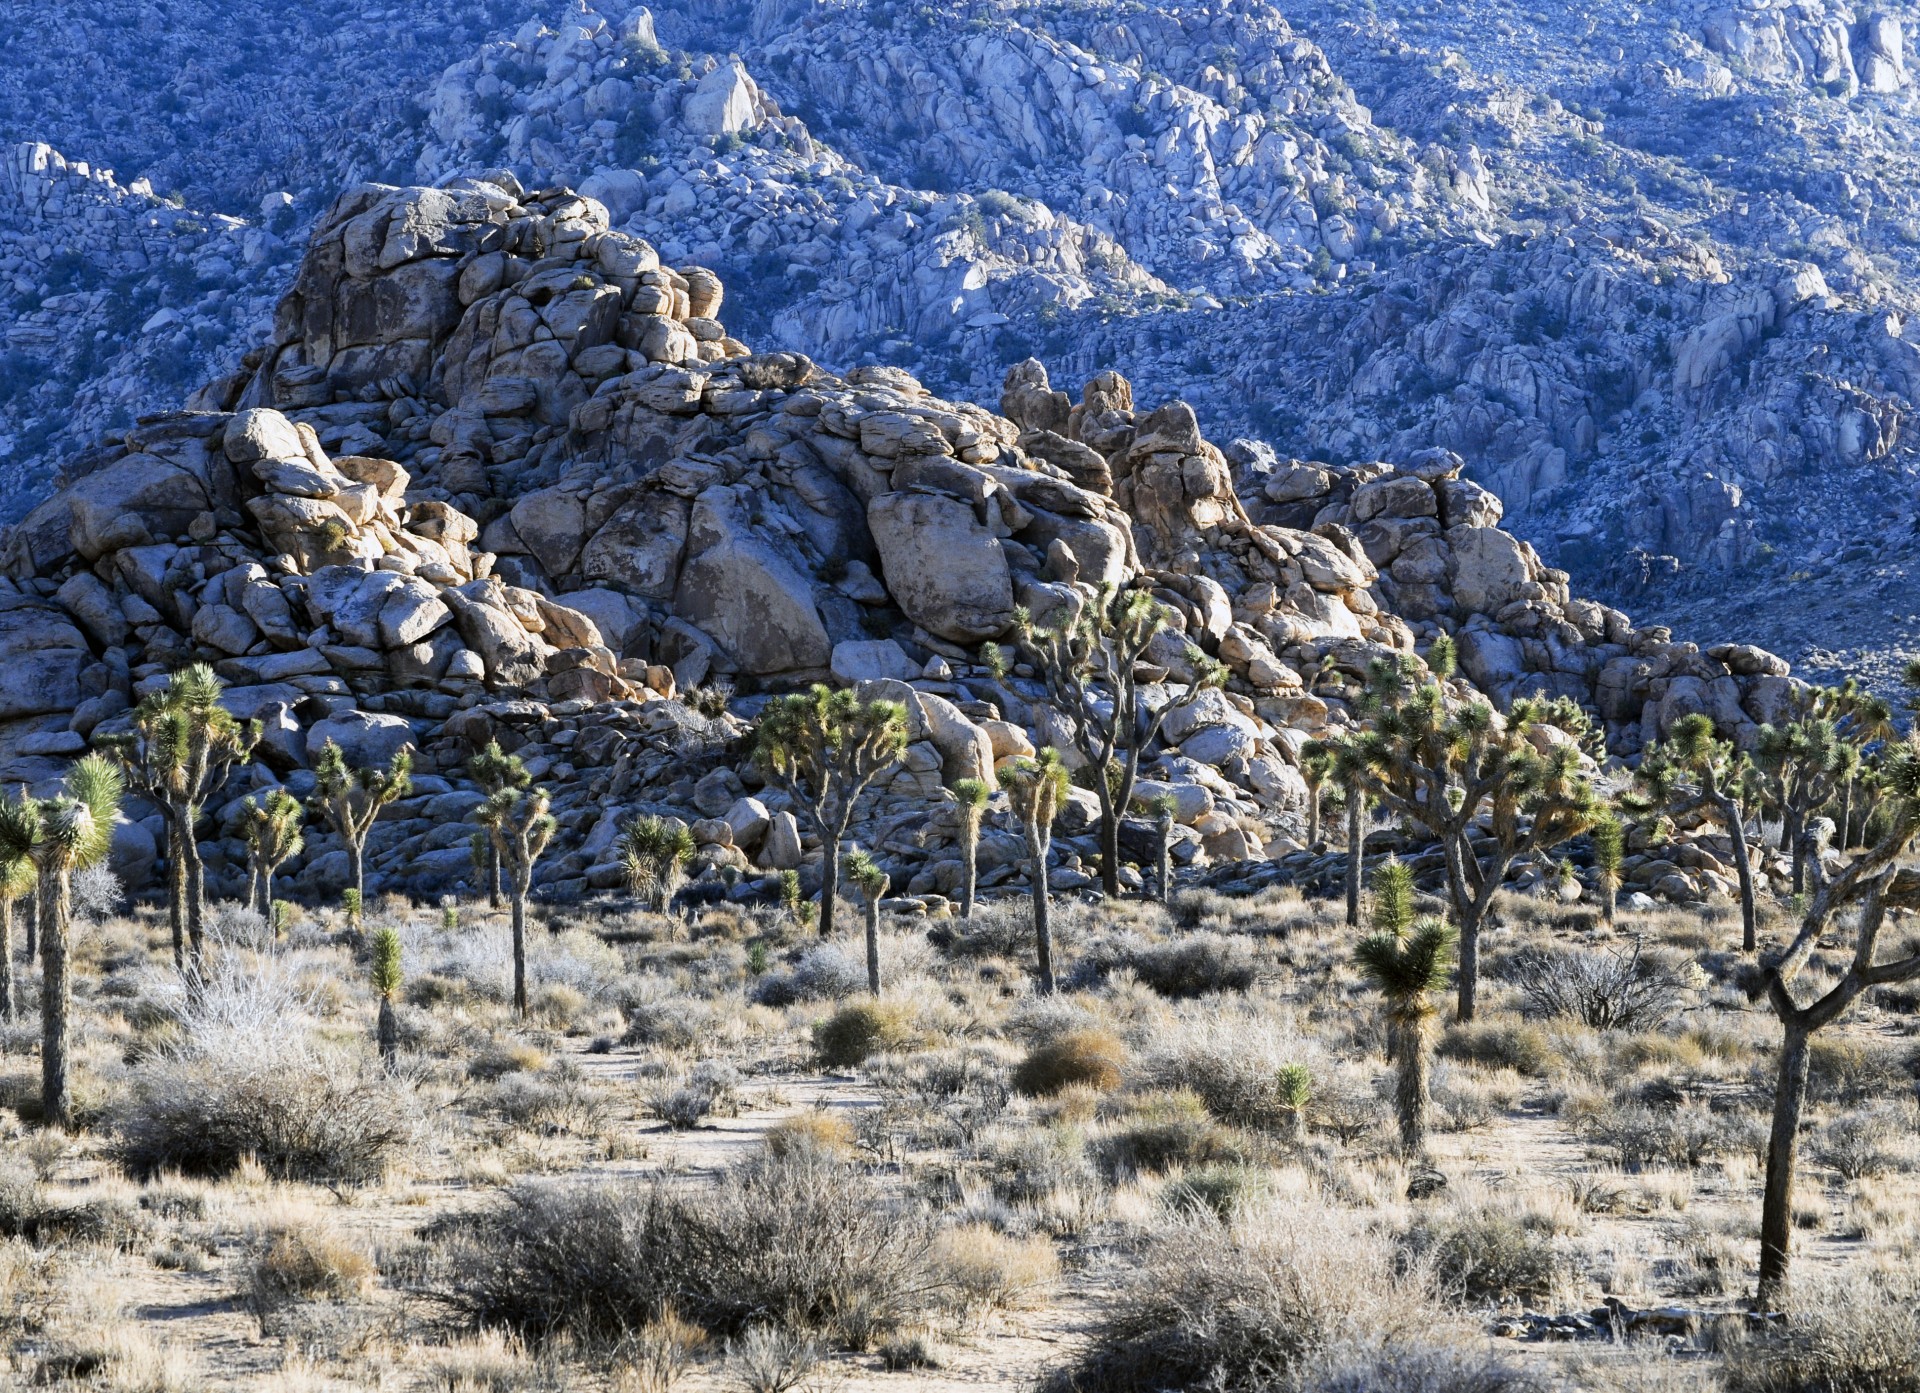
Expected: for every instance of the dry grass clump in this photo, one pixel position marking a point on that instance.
(305, 1261)
(1251, 1307)
(1161, 1132)
(1089, 1058)
(1858, 1334)
(986, 1269)
(813, 1132)
(1418, 1367)
(1244, 1072)
(799, 1239)
(1500, 1043)
(848, 1037)
(711, 1089)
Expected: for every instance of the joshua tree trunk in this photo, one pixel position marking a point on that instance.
(1609, 898)
(519, 901)
(1109, 843)
(33, 923)
(830, 874)
(194, 872)
(1042, 918)
(1356, 852)
(1776, 1205)
(356, 871)
(970, 872)
(1313, 817)
(873, 944)
(1743, 870)
(6, 960)
(1790, 821)
(56, 996)
(176, 896)
(389, 1034)
(1846, 814)
(1408, 1042)
(493, 875)
(1163, 857)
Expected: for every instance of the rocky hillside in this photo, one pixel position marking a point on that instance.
(500, 472)
(1643, 272)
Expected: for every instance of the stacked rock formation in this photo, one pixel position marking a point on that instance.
(499, 473)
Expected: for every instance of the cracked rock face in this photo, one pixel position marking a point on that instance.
(542, 498)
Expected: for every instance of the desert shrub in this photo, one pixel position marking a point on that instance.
(498, 1058)
(1499, 1044)
(1640, 1136)
(1854, 1335)
(773, 1359)
(1486, 1257)
(801, 1240)
(1190, 965)
(1195, 964)
(1031, 1166)
(1220, 1190)
(1087, 1057)
(860, 1029)
(984, 1268)
(554, 1100)
(1243, 1076)
(815, 1132)
(1863, 1144)
(1420, 1367)
(323, 1117)
(1248, 1307)
(966, 1089)
(304, 1262)
(712, 1088)
(1163, 1132)
(824, 973)
(244, 1078)
(1846, 1069)
(1603, 988)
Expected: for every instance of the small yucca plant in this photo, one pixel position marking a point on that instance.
(871, 881)
(654, 852)
(385, 978)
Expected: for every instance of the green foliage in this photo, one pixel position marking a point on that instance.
(654, 852)
(385, 974)
(1405, 968)
(867, 875)
(1392, 897)
(350, 901)
(1294, 1087)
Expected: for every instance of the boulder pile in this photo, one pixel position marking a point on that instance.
(500, 473)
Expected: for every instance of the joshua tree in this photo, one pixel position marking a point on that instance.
(1162, 806)
(1865, 721)
(970, 799)
(1800, 765)
(1316, 766)
(494, 769)
(16, 880)
(520, 826)
(655, 851)
(1609, 846)
(1446, 769)
(1869, 885)
(1088, 664)
(1695, 773)
(1406, 963)
(62, 834)
(1035, 789)
(823, 748)
(273, 838)
(178, 754)
(385, 978)
(352, 800)
(872, 882)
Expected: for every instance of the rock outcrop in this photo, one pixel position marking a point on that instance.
(501, 473)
